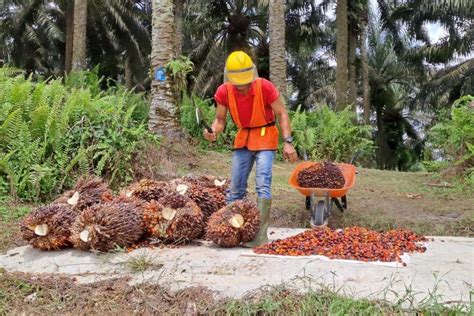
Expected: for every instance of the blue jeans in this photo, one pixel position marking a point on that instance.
(242, 163)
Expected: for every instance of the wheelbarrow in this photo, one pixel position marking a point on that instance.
(320, 201)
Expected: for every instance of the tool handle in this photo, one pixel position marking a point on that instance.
(207, 127)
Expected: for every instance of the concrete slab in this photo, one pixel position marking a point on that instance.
(446, 269)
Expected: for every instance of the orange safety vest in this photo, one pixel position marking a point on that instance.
(261, 134)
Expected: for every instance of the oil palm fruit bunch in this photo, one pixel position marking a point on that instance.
(48, 227)
(106, 226)
(208, 197)
(87, 192)
(173, 218)
(321, 175)
(147, 190)
(209, 181)
(233, 224)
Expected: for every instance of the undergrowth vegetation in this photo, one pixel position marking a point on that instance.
(325, 134)
(453, 139)
(51, 132)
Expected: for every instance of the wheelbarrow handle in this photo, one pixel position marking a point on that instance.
(354, 157)
(305, 155)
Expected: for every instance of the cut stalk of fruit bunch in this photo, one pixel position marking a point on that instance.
(237, 221)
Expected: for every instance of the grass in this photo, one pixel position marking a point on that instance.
(142, 262)
(10, 216)
(21, 293)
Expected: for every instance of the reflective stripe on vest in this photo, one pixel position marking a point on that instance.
(260, 134)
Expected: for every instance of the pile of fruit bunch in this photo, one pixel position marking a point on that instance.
(321, 175)
(48, 227)
(206, 191)
(352, 243)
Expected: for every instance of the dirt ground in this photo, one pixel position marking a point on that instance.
(380, 200)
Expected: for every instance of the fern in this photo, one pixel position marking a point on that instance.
(10, 128)
(38, 121)
(51, 133)
(454, 137)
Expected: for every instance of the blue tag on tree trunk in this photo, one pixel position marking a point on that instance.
(160, 74)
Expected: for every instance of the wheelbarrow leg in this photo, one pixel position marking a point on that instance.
(328, 208)
(308, 203)
(341, 205)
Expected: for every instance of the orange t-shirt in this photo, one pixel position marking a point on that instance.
(245, 102)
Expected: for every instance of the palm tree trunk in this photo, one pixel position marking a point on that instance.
(341, 54)
(69, 16)
(178, 20)
(365, 71)
(352, 99)
(277, 45)
(79, 35)
(128, 74)
(383, 153)
(163, 111)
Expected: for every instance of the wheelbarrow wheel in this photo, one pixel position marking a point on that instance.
(319, 213)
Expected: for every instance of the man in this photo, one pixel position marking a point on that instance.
(253, 104)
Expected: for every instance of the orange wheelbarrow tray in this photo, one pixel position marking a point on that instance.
(320, 209)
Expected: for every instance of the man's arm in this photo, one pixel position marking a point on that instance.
(283, 118)
(218, 125)
(279, 109)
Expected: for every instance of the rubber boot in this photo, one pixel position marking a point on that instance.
(264, 206)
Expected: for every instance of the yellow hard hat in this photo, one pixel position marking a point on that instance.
(240, 69)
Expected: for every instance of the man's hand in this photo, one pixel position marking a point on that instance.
(289, 152)
(210, 136)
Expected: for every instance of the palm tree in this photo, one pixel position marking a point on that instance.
(79, 35)
(119, 37)
(352, 81)
(215, 28)
(69, 25)
(37, 36)
(276, 25)
(453, 53)
(392, 81)
(178, 21)
(311, 76)
(341, 54)
(30, 35)
(163, 110)
(365, 68)
(356, 10)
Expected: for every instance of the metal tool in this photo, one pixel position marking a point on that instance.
(200, 120)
